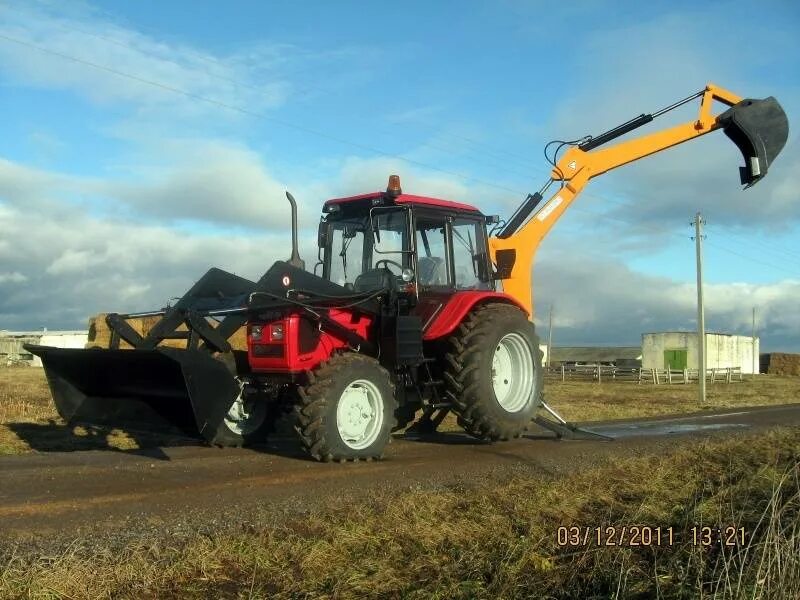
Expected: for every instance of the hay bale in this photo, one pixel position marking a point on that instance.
(780, 363)
(100, 333)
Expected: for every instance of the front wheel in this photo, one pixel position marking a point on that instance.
(493, 372)
(347, 410)
(246, 420)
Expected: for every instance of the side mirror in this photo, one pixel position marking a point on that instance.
(322, 234)
(505, 263)
(376, 233)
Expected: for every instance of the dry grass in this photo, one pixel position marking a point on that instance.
(587, 401)
(487, 540)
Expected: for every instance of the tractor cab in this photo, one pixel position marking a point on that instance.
(414, 244)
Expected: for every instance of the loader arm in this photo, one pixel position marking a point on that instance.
(758, 127)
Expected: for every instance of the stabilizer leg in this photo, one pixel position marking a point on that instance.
(564, 429)
(427, 424)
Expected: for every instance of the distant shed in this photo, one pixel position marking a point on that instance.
(621, 356)
(11, 344)
(679, 350)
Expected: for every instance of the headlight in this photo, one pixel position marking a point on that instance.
(276, 331)
(256, 332)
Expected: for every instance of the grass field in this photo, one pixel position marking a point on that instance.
(493, 538)
(487, 539)
(25, 406)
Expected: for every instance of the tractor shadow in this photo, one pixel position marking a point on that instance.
(56, 436)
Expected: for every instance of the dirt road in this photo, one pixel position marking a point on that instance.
(171, 490)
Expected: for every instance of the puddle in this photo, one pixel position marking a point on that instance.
(655, 429)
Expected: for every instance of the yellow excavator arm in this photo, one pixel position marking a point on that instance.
(759, 128)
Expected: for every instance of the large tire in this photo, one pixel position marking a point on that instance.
(347, 409)
(493, 373)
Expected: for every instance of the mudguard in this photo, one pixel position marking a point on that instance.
(458, 305)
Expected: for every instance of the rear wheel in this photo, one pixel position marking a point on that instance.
(347, 410)
(493, 372)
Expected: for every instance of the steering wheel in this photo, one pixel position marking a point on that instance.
(388, 261)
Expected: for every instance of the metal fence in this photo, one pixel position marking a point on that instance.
(601, 373)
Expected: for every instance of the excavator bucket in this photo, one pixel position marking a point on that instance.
(759, 128)
(185, 389)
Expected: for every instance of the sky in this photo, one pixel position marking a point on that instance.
(145, 142)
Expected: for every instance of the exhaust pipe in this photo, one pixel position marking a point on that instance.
(295, 259)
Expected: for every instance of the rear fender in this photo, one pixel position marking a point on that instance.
(457, 307)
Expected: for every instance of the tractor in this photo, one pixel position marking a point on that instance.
(415, 307)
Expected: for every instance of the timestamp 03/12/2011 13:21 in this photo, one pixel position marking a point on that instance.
(646, 535)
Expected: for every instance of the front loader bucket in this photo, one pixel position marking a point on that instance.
(759, 128)
(128, 388)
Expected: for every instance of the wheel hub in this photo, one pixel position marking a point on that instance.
(243, 417)
(359, 414)
(512, 372)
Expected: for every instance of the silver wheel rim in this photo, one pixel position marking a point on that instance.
(512, 373)
(359, 414)
(244, 416)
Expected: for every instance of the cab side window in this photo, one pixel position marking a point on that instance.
(468, 256)
(431, 253)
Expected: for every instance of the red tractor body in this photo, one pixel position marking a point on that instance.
(294, 344)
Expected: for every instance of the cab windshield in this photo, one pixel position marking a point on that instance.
(356, 247)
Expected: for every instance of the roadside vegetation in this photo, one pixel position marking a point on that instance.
(489, 539)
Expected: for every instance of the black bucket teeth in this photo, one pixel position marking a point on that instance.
(759, 128)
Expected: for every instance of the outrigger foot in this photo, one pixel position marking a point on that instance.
(564, 429)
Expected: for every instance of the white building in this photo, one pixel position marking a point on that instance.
(679, 350)
(11, 350)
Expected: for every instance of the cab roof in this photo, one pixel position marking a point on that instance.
(399, 200)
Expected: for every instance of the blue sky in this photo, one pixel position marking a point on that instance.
(145, 142)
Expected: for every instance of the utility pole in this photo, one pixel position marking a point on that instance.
(753, 349)
(701, 317)
(550, 337)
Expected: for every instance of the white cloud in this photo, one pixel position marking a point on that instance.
(13, 277)
(598, 300)
(242, 80)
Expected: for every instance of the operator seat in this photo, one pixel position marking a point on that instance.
(375, 279)
(431, 271)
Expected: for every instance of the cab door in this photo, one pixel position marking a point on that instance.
(433, 263)
(451, 256)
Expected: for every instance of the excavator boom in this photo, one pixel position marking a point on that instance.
(759, 128)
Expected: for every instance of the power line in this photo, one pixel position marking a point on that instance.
(751, 259)
(239, 109)
(428, 144)
(305, 87)
(251, 113)
(789, 255)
